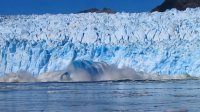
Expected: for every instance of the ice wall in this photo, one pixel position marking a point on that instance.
(156, 43)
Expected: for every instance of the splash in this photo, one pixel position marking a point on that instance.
(83, 70)
(20, 76)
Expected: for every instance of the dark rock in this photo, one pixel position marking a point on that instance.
(178, 4)
(95, 10)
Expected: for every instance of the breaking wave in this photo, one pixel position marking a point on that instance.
(83, 70)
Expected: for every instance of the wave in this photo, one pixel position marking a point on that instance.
(83, 70)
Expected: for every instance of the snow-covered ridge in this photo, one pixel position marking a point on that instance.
(156, 43)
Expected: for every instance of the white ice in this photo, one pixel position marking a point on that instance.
(155, 43)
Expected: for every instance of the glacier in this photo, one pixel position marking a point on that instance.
(165, 43)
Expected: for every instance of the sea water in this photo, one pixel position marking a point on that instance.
(109, 96)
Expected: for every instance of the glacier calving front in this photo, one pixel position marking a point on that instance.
(156, 43)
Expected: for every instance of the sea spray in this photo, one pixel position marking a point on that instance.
(83, 70)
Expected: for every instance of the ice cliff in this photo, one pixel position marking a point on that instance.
(155, 43)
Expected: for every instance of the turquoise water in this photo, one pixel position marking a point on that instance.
(119, 96)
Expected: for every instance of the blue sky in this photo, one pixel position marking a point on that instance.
(13, 7)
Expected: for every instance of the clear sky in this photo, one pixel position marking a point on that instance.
(13, 7)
